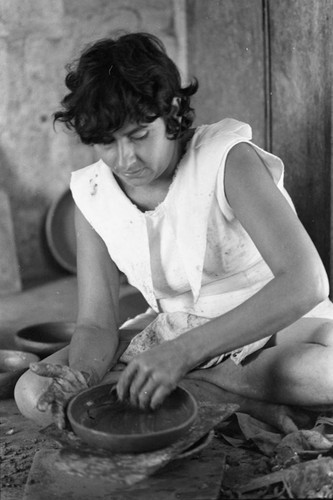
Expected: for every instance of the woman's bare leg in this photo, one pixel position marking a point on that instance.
(296, 368)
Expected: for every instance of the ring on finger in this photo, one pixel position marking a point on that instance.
(144, 398)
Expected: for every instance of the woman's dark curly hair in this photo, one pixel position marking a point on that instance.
(129, 79)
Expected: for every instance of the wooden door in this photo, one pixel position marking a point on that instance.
(226, 54)
(301, 126)
(269, 63)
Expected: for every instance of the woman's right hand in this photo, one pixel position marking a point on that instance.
(152, 375)
(65, 383)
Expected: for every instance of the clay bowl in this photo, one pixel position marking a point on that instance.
(12, 365)
(60, 231)
(101, 420)
(45, 338)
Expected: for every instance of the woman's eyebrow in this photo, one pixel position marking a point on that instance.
(136, 129)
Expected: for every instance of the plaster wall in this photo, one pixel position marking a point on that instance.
(37, 39)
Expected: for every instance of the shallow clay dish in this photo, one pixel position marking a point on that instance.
(45, 338)
(101, 420)
(12, 365)
(60, 231)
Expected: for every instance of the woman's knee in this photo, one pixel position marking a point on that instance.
(324, 334)
(30, 387)
(27, 391)
(308, 330)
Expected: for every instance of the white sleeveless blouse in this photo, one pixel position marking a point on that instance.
(190, 254)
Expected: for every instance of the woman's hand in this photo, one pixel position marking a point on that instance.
(152, 375)
(65, 384)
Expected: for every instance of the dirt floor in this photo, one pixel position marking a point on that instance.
(20, 440)
(259, 462)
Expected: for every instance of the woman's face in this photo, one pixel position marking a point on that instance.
(140, 154)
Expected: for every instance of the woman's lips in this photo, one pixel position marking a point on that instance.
(132, 173)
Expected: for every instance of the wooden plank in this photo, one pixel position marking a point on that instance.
(301, 65)
(198, 477)
(10, 280)
(226, 54)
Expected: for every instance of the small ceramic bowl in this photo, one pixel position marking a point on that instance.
(102, 421)
(12, 365)
(45, 338)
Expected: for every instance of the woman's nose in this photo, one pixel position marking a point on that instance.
(126, 154)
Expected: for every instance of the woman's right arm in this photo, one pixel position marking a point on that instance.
(95, 340)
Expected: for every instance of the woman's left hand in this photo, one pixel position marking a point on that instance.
(65, 383)
(152, 375)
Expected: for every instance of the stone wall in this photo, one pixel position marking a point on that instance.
(37, 39)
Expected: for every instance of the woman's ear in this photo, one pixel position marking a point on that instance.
(175, 106)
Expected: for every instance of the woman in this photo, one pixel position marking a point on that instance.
(199, 221)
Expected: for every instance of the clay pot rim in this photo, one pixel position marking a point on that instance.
(128, 441)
